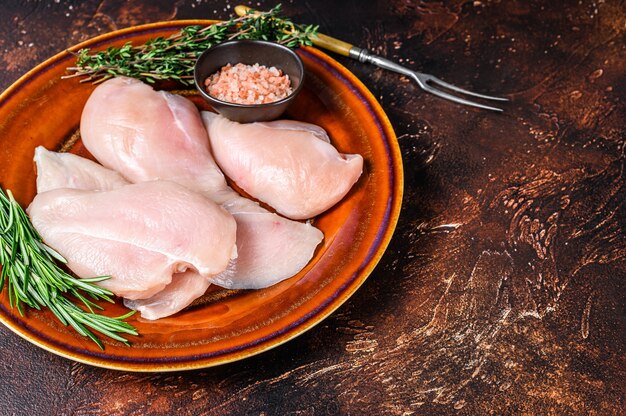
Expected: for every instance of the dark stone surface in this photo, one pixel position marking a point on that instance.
(502, 291)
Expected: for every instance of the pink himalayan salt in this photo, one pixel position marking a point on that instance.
(248, 84)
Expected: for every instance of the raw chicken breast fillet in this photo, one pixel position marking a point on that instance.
(147, 135)
(164, 138)
(140, 234)
(66, 170)
(289, 165)
(271, 248)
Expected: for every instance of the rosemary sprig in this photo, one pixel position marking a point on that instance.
(33, 277)
(173, 58)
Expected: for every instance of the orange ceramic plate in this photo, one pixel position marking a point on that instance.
(223, 326)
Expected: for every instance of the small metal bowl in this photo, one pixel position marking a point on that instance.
(249, 52)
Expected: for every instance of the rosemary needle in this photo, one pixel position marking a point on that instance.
(173, 58)
(34, 278)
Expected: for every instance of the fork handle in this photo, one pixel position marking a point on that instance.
(332, 44)
(360, 54)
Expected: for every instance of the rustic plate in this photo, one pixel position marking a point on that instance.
(223, 326)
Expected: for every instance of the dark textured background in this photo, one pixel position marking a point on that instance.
(502, 291)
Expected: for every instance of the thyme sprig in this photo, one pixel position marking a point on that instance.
(34, 278)
(173, 58)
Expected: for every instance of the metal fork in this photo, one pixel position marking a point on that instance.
(427, 82)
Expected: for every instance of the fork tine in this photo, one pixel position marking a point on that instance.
(444, 84)
(456, 99)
